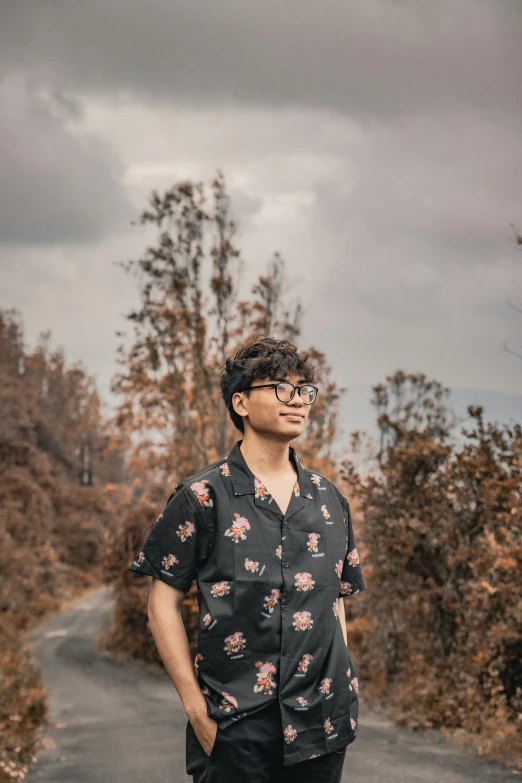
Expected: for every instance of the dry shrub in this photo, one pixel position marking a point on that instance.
(23, 706)
(129, 633)
(52, 531)
(52, 535)
(442, 548)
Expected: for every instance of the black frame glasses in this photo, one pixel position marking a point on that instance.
(287, 383)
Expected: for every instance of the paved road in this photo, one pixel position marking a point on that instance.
(120, 725)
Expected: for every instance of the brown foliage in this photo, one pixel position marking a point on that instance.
(23, 706)
(52, 531)
(443, 549)
(129, 633)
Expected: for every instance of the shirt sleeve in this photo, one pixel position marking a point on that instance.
(169, 551)
(352, 579)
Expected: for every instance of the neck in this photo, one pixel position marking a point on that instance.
(266, 456)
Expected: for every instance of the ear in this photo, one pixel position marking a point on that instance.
(238, 404)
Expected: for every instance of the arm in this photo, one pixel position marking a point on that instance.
(164, 612)
(169, 555)
(342, 618)
(352, 579)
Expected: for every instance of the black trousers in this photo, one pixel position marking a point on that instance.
(251, 749)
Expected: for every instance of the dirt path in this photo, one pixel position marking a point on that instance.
(119, 725)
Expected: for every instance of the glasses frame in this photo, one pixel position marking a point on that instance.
(275, 385)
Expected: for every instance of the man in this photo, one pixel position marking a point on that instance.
(272, 695)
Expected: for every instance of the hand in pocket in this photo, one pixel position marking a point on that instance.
(206, 729)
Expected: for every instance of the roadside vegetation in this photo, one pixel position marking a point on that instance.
(53, 531)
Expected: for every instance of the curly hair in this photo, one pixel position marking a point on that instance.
(263, 358)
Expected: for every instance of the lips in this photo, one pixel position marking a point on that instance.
(293, 415)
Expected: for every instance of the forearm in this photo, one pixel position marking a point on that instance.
(342, 619)
(171, 640)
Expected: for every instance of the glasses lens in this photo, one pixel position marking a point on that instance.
(308, 394)
(284, 391)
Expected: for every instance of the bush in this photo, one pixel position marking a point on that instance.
(23, 706)
(129, 633)
(443, 532)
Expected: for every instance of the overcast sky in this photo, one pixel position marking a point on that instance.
(376, 144)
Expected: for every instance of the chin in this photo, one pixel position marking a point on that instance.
(295, 425)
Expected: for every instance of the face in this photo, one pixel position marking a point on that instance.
(268, 416)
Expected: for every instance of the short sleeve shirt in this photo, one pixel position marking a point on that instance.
(267, 590)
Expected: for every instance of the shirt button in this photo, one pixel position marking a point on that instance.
(285, 607)
(285, 521)
(283, 652)
(285, 565)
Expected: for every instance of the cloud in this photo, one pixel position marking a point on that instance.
(442, 187)
(56, 186)
(377, 58)
(375, 144)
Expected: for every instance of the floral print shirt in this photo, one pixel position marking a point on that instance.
(268, 585)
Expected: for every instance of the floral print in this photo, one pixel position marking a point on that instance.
(261, 490)
(304, 663)
(325, 685)
(353, 557)
(302, 621)
(304, 581)
(272, 599)
(225, 471)
(186, 530)
(252, 566)
(219, 589)
(228, 702)
(201, 492)
(290, 733)
(265, 681)
(237, 529)
(168, 561)
(261, 616)
(313, 540)
(234, 643)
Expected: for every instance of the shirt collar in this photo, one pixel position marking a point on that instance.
(243, 478)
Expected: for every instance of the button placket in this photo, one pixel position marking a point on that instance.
(285, 606)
